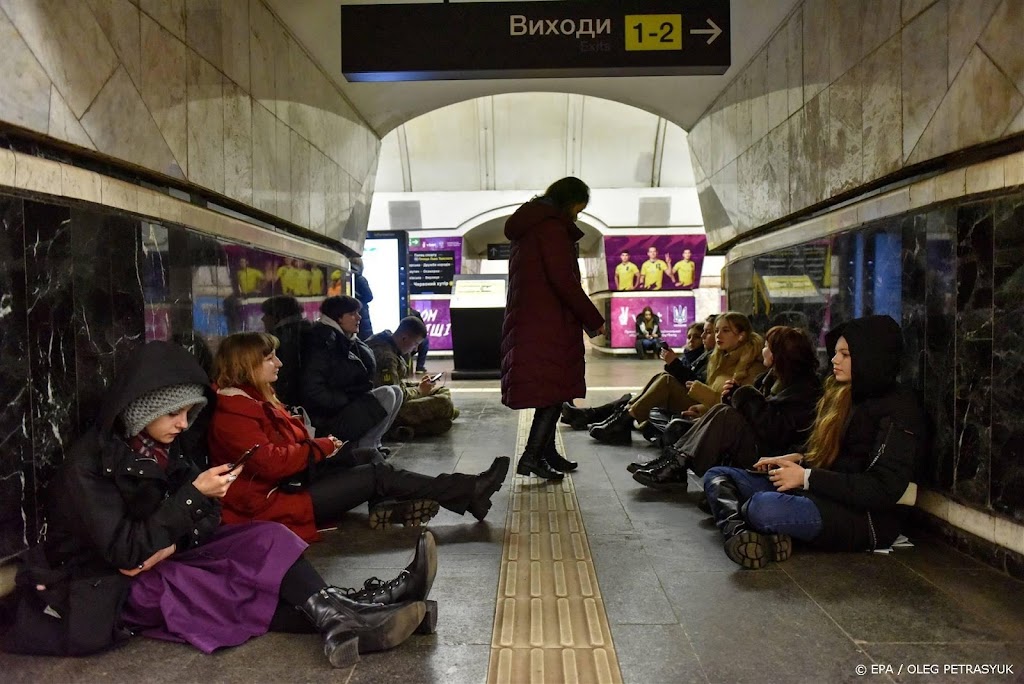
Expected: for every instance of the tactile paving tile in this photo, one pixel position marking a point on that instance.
(550, 624)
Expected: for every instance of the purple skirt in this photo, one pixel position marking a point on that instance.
(215, 595)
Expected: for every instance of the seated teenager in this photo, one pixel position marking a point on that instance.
(737, 357)
(772, 417)
(648, 332)
(248, 414)
(426, 410)
(283, 318)
(842, 493)
(135, 545)
(337, 378)
(582, 418)
(694, 348)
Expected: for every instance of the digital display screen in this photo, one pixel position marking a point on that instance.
(384, 267)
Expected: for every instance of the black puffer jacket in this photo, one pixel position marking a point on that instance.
(857, 494)
(698, 370)
(291, 333)
(782, 420)
(337, 376)
(111, 509)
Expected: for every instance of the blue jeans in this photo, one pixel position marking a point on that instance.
(421, 354)
(768, 510)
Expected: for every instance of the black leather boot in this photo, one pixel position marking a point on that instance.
(618, 429)
(669, 475)
(532, 462)
(488, 482)
(580, 418)
(412, 584)
(743, 545)
(411, 513)
(647, 465)
(349, 628)
(559, 462)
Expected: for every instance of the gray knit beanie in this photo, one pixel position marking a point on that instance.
(160, 402)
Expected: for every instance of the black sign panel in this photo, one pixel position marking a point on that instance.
(450, 41)
(499, 251)
(431, 272)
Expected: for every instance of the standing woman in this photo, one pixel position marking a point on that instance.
(135, 545)
(542, 349)
(841, 494)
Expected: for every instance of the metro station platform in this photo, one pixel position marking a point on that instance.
(601, 580)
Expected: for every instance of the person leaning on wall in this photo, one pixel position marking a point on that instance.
(135, 544)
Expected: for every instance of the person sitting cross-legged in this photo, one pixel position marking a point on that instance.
(426, 410)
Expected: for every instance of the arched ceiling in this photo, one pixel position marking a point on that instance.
(679, 99)
(507, 142)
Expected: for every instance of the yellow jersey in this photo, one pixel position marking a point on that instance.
(316, 281)
(249, 281)
(652, 272)
(684, 271)
(625, 276)
(300, 282)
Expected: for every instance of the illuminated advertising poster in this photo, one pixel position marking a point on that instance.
(384, 267)
(438, 319)
(654, 262)
(433, 264)
(675, 315)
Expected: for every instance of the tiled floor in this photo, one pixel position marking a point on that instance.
(679, 610)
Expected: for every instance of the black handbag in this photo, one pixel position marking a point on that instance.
(75, 615)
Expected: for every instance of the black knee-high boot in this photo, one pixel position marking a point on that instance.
(532, 462)
(556, 460)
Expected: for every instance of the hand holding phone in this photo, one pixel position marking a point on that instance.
(435, 377)
(244, 457)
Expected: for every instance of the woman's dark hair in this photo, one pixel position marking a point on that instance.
(281, 306)
(568, 192)
(792, 352)
(337, 306)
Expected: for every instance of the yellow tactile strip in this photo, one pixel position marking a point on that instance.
(550, 624)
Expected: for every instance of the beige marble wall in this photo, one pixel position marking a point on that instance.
(850, 91)
(214, 92)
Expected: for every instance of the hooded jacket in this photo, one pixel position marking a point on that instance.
(111, 508)
(781, 419)
(885, 432)
(547, 310)
(337, 376)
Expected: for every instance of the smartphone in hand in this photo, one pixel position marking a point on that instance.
(244, 457)
(435, 377)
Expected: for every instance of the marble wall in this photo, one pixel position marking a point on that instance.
(214, 92)
(82, 285)
(953, 275)
(850, 91)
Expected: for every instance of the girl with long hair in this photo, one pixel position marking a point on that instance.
(768, 418)
(293, 478)
(736, 358)
(842, 492)
(648, 332)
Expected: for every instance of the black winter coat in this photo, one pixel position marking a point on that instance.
(857, 494)
(110, 509)
(337, 376)
(781, 421)
(683, 372)
(291, 333)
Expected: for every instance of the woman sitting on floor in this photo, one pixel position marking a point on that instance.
(736, 358)
(135, 545)
(769, 418)
(248, 414)
(842, 494)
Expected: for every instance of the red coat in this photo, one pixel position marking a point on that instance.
(547, 311)
(240, 421)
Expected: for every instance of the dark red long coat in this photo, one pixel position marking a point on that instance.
(547, 311)
(239, 422)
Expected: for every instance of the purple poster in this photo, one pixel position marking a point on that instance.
(654, 262)
(433, 264)
(438, 319)
(675, 314)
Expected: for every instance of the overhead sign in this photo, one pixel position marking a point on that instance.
(483, 40)
(499, 251)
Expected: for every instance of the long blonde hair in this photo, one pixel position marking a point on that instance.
(238, 359)
(833, 410)
(749, 349)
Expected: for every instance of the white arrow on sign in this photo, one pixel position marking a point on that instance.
(714, 31)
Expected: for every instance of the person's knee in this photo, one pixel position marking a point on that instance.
(762, 510)
(712, 474)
